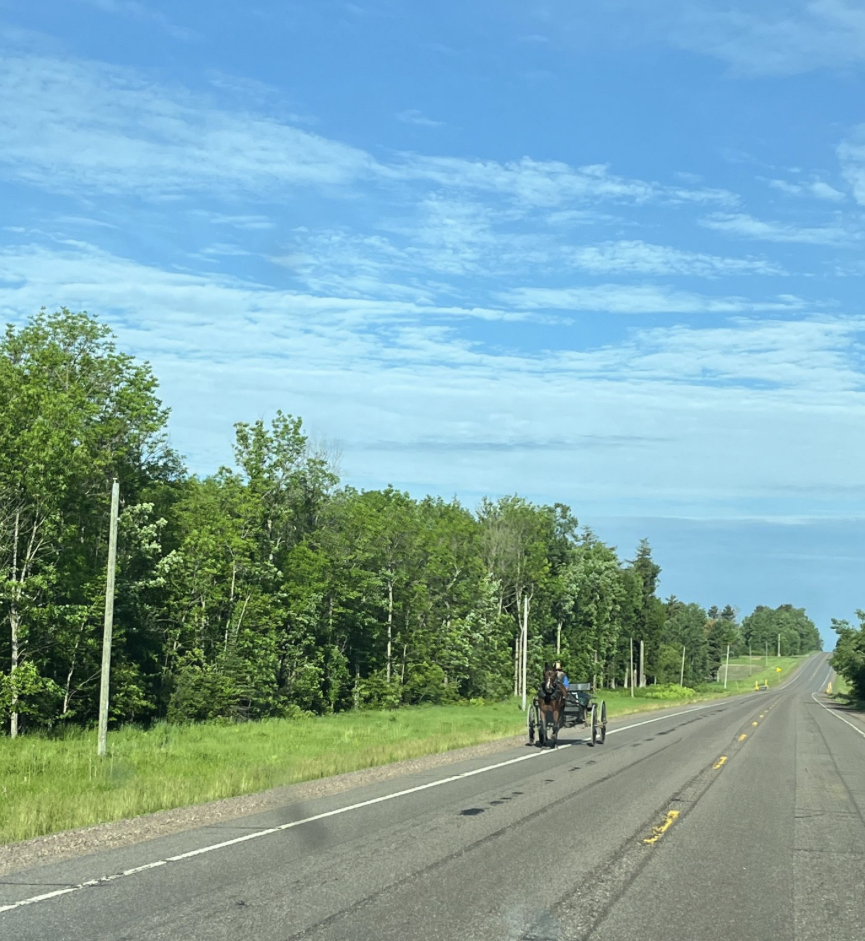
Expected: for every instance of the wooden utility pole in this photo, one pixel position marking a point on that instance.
(525, 644)
(779, 645)
(109, 620)
(642, 665)
(682, 673)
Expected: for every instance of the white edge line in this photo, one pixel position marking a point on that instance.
(837, 715)
(342, 810)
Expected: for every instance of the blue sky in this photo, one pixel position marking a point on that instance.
(609, 254)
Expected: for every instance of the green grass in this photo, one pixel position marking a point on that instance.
(53, 784)
(48, 785)
(842, 693)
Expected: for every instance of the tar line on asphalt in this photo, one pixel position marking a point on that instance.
(104, 880)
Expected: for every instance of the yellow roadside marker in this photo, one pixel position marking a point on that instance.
(719, 762)
(658, 832)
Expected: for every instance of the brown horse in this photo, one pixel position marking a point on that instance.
(551, 701)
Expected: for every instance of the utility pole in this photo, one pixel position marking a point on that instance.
(682, 674)
(779, 645)
(642, 665)
(766, 642)
(109, 620)
(727, 669)
(559, 639)
(632, 667)
(525, 644)
(518, 660)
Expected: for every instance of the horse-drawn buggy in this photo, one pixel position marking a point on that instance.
(557, 707)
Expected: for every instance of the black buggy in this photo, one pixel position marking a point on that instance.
(580, 709)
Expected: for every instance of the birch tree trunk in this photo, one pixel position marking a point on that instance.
(389, 626)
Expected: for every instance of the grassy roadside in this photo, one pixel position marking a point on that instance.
(49, 785)
(841, 693)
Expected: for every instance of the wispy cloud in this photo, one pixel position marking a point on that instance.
(114, 132)
(144, 13)
(761, 37)
(747, 226)
(226, 348)
(413, 116)
(637, 257)
(815, 188)
(641, 299)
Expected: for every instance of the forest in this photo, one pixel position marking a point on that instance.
(271, 588)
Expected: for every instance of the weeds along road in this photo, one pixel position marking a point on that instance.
(742, 818)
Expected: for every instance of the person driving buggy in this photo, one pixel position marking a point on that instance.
(561, 676)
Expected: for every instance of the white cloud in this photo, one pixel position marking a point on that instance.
(749, 227)
(112, 131)
(546, 183)
(765, 37)
(752, 37)
(640, 299)
(413, 116)
(115, 131)
(816, 188)
(637, 257)
(237, 221)
(632, 421)
(824, 191)
(143, 13)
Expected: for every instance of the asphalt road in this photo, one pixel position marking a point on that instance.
(754, 809)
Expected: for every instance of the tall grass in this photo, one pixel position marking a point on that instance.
(48, 785)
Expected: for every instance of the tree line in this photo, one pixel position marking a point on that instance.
(273, 589)
(849, 656)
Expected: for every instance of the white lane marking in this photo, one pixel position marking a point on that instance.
(342, 810)
(837, 716)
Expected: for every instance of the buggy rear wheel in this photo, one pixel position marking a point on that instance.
(595, 727)
(603, 722)
(533, 724)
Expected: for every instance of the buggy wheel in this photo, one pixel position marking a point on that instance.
(603, 722)
(543, 738)
(595, 729)
(532, 722)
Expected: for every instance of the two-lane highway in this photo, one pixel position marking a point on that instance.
(734, 819)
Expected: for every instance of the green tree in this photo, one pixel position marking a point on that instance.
(76, 413)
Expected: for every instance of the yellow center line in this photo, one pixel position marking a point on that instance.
(742, 737)
(754, 723)
(658, 832)
(719, 762)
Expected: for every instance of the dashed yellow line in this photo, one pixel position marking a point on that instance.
(719, 763)
(742, 737)
(755, 723)
(658, 832)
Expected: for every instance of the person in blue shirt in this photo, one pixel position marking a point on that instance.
(560, 674)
